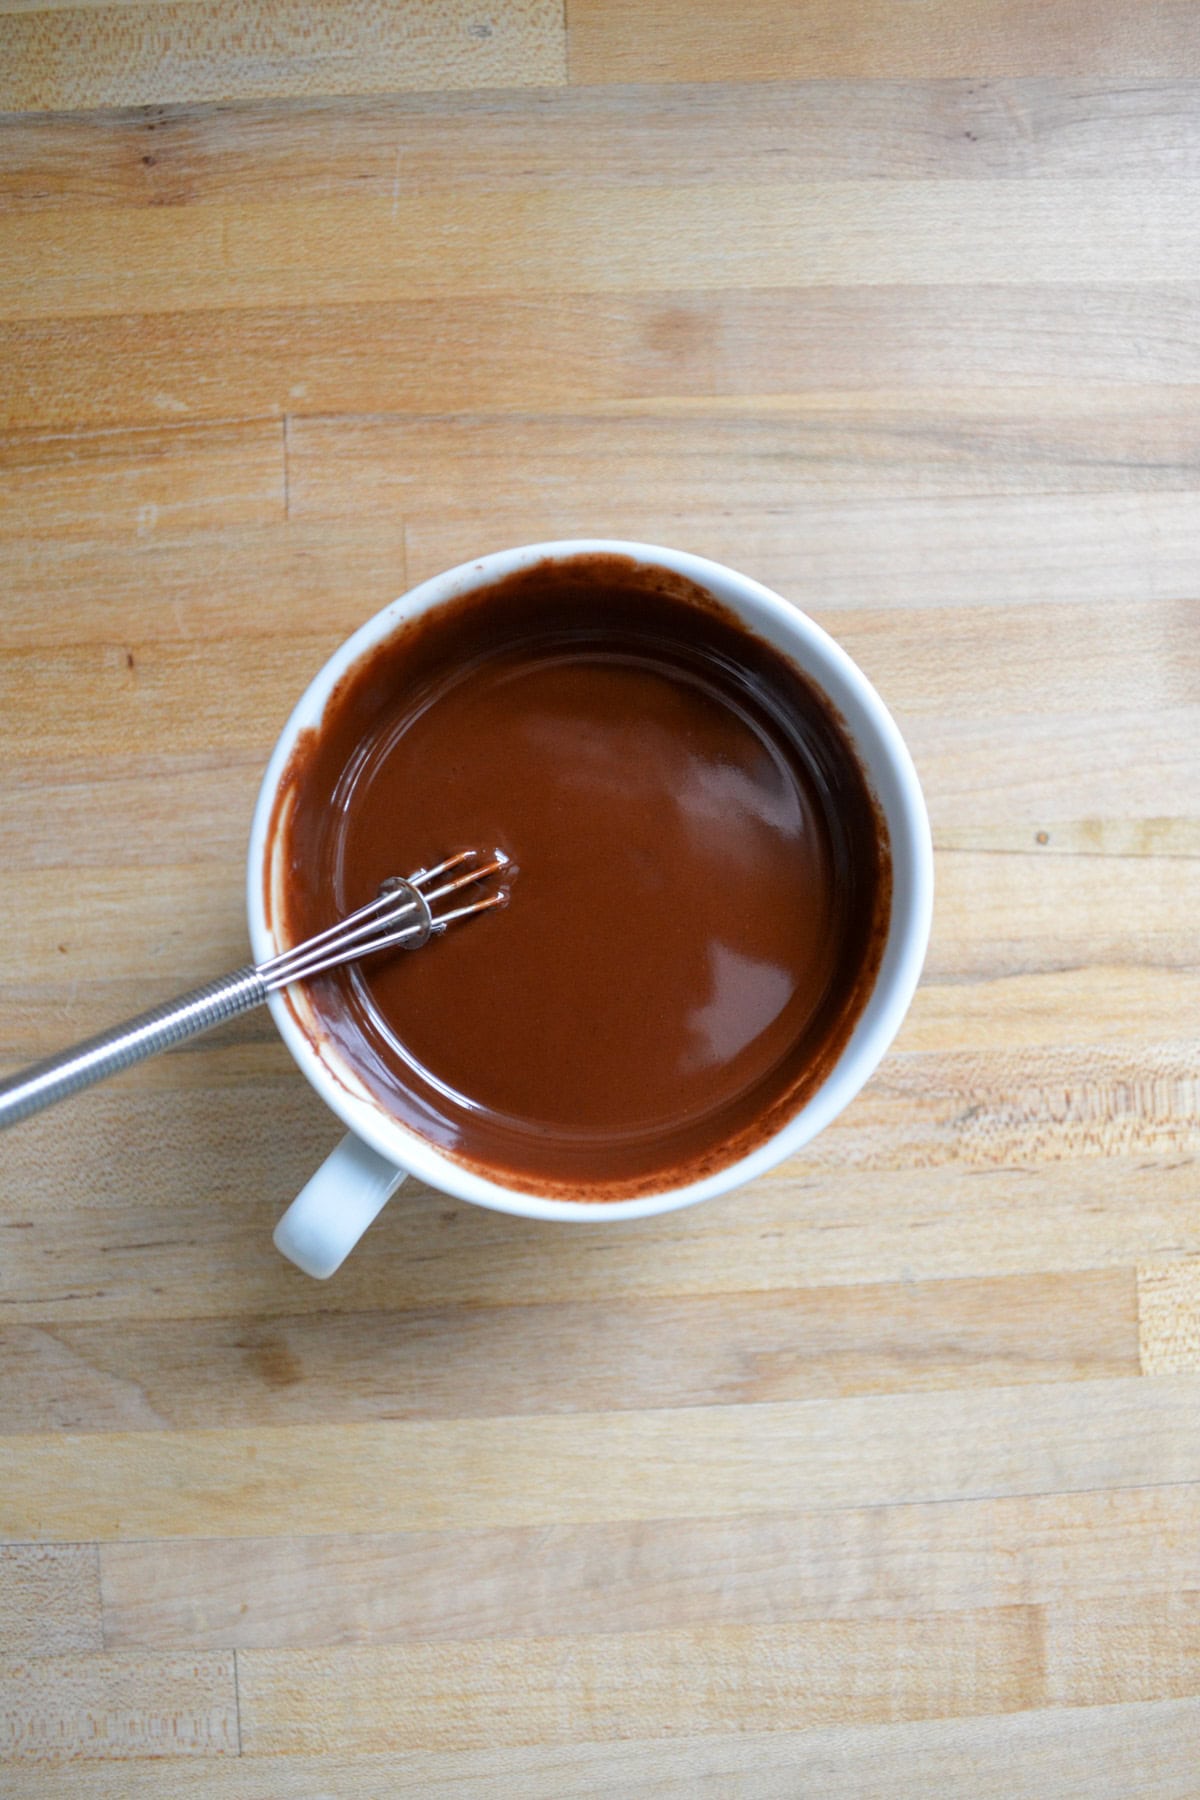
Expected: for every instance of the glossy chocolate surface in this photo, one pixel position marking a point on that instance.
(703, 886)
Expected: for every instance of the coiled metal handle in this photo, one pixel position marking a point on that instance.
(399, 917)
(111, 1051)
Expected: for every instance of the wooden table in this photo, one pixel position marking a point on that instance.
(882, 1477)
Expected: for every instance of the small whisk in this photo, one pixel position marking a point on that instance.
(402, 915)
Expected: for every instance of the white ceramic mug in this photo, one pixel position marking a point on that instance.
(328, 1217)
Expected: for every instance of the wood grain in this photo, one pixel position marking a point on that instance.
(61, 57)
(160, 1204)
(700, 1462)
(880, 1477)
(632, 353)
(1137, 1647)
(621, 1355)
(69, 1707)
(967, 1111)
(555, 1581)
(997, 662)
(628, 1686)
(372, 467)
(61, 264)
(178, 585)
(49, 1599)
(834, 130)
(1148, 1747)
(133, 697)
(130, 484)
(1169, 1316)
(762, 40)
(832, 558)
(828, 554)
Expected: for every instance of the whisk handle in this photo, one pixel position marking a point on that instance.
(111, 1051)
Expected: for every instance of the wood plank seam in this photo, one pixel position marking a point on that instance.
(237, 1703)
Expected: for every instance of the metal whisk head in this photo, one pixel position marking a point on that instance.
(402, 914)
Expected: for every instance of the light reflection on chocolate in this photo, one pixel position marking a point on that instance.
(703, 893)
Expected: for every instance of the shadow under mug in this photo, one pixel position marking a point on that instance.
(332, 1211)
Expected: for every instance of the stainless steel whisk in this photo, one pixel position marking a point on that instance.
(401, 915)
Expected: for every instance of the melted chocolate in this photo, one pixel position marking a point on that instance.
(703, 887)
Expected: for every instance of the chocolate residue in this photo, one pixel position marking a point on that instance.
(704, 887)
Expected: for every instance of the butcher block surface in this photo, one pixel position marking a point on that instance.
(879, 1479)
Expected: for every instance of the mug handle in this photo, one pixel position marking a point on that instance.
(330, 1213)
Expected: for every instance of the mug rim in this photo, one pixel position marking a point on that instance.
(891, 775)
